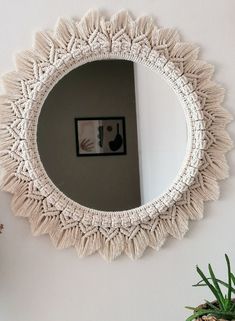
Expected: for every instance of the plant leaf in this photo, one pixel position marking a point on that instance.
(200, 283)
(229, 278)
(233, 278)
(232, 308)
(225, 314)
(190, 308)
(211, 305)
(197, 314)
(217, 287)
(211, 287)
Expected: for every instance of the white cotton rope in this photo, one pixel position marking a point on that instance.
(72, 44)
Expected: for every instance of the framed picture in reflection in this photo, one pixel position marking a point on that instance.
(100, 136)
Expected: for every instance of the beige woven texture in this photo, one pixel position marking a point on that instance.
(48, 210)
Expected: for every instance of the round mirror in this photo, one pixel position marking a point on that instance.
(107, 134)
(94, 141)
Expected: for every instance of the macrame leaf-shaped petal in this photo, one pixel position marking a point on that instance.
(121, 22)
(157, 234)
(164, 40)
(113, 245)
(215, 164)
(89, 25)
(198, 72)
(45, 46)
(64, 238)
(136, 243)
(12, 83)
(183, 53)
(91, 241)
(26, 63)
(143, 27)
(65, 33)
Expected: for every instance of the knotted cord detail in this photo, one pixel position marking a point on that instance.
(72, 44)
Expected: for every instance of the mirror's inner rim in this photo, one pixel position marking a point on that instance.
(165, 69)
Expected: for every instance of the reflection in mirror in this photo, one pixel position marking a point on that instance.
(162, 132)
(107, 134)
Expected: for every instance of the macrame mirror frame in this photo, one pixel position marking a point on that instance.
(72, 44)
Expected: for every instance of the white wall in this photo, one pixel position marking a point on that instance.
(39, 283)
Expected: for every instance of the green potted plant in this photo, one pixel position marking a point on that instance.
(223, 308)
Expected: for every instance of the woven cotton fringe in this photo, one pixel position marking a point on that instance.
(72, 44)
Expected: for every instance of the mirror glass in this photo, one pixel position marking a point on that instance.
(108, 132)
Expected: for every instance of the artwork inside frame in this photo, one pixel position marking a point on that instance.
(100, 136)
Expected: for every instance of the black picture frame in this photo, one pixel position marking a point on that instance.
(120, 132)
